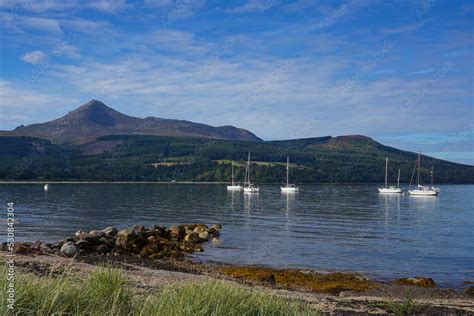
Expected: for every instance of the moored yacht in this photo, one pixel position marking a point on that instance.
(390, 189)
(233, 186)
(422, 190)
(248, 186)
(46, 187)
(289, 188)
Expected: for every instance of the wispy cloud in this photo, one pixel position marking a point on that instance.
(34, 57)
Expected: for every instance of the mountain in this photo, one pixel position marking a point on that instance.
(95, 119)
(343, 159)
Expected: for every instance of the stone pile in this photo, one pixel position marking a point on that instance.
(157, 242)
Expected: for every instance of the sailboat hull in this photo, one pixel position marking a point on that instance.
(251, 190)
(390, 190)
(289, 189)
(427, 192)
(234, 187)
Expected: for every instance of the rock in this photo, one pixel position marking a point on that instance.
(417, 281)
(177, 231)
(215, 240)
(82, 244)
(204, 235)
(97, 233)
(139, 228)
(69, 249)
(216, 226)
(198, 248)
(214, 232)
(192, 238)
(21, 248)
(110, 231)
(469, 291)
(130, 240)
(200, 228)
(78, 233)
(270, 278)
(103, 249)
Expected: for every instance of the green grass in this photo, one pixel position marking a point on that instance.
(405, 307)
(107, 292)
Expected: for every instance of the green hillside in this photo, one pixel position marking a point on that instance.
(152, 158)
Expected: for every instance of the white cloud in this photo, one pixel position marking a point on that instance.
(253, 6)
(26, 106)
(34, 57)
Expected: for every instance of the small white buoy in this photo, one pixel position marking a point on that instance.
(46, 187)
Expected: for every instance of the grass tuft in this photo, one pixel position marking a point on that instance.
(107, 292)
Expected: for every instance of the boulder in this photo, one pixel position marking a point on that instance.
(200, 228)
(83, 244)
(216, 226)
(214, 232)
(110, 231)
(130, 240)
(97, 233)
(469, 291)
(417, 281)
(69, 249)
(139, 228)
(204, 235)
(103, 249)
(177, 232)
(192, 238)
(215, 240)
(21, 248)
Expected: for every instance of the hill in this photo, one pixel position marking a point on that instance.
(95, 119)
(149, 158)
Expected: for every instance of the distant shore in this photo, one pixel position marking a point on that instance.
(198, 182)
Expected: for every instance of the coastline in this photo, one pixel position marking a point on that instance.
(146, 275)
(152, 259)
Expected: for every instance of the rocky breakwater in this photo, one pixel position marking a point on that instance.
(157, 242)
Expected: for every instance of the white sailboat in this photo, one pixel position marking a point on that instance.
(390, 189)
(46, 187)
(248, 186)
(289, 188)
(233, 186)
(422, 190)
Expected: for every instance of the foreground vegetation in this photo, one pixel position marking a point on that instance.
(107, 292)
(150, 158)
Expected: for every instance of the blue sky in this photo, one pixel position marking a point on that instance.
(400, 72)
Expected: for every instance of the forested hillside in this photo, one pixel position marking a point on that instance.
(151, 158)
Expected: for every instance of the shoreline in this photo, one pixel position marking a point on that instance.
(199, 182)
(149, 275)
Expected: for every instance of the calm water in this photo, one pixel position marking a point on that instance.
(329, 227)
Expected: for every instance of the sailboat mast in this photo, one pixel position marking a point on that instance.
(398, 179)
(287, 170)
(232, 173)
(386, 170)
(418, 176)
(432, 170)
(248, 164)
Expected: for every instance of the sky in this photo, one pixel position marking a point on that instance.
(401, 72)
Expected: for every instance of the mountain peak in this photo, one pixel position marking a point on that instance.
(94, 111)
(94, 119)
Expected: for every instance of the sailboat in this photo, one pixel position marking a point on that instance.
(248, 186)
(289, 188)
(390, 189)
(46, 187)
(421, 189)
(233, 186)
